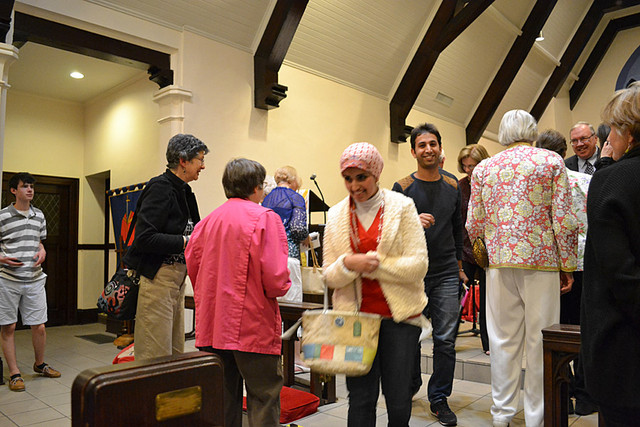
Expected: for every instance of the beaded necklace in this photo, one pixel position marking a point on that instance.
(353, 230)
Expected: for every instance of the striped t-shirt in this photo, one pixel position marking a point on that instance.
(20, 238)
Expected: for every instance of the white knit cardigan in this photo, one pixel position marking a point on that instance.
(402, 252)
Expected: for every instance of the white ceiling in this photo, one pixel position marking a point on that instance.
(363, 44)
(45, 71)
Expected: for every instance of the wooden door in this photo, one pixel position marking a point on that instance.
(57, 198)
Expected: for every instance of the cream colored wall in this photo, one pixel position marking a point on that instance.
(313, 125)
(43, 136)
(122, 143)
(122, 134)
(116, 133)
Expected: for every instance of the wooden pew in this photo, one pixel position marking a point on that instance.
(183, 390)
(561, 345)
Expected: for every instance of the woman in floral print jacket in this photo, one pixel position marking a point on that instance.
(521, 205)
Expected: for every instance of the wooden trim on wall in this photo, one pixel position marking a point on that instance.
(85, 316)
(95, 246)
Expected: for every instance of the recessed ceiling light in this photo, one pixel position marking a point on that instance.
(77, 75)
(540, 37)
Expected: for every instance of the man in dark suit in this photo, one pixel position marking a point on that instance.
(584, 144)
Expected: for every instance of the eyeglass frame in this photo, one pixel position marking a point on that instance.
(582, 139)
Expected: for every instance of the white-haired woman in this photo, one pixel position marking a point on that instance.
(375, 257)
(521, 204)
(290, 206)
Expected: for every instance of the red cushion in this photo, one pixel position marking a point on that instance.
(294, 404)
(126, 355)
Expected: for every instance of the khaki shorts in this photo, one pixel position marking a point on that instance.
(28, 297)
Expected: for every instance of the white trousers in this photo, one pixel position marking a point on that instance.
(294, 294)
(520, 303)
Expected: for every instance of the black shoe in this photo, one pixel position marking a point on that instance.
(443, 413)
(584, 407)
(570, 410)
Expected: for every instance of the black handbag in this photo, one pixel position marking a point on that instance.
(119, 297)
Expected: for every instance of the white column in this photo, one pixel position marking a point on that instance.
(171, 100)
(8, 54)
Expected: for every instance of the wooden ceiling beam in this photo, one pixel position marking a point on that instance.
(508, 70)
(445, 27)
(29, 28)
(6, 8)
(598, 52)
(272, 50)
(570, 56)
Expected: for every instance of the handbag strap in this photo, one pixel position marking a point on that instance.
(314, 260)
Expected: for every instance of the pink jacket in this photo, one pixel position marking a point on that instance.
(237, 263)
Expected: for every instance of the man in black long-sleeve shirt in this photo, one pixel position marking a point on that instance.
(437, 200)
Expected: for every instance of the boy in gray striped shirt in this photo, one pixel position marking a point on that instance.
(22, 230)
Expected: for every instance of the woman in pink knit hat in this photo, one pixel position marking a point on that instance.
(375, 257)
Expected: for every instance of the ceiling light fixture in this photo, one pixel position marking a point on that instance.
(77, 75)
(540, 37)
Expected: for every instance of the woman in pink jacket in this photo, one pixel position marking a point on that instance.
(237, 263)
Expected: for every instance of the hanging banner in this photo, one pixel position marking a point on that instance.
(122, 202)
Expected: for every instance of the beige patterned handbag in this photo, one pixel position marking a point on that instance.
(339, 342)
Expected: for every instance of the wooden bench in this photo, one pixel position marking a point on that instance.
(561, 345)
(171, 391)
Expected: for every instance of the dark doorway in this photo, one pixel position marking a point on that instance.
(57, 198)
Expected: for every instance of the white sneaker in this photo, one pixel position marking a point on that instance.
(425, 333)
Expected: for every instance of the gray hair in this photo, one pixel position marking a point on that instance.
(517, 126)
(582, 124)
(185, 147)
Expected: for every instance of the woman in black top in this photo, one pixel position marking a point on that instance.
(468, 159)
(610, 317)
(166, 214)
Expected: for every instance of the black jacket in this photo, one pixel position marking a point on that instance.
(165, 205)
(610, 312)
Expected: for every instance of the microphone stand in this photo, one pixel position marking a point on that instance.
(324, 212)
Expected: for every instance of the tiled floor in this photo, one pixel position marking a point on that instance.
(47, 401)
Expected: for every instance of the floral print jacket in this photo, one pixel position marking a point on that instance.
(579, 183)
(521, 204)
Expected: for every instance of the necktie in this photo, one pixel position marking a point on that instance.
(588, 168)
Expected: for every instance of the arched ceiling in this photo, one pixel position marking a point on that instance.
(370, 45)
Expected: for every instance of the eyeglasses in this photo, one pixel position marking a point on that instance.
(582, 139)
(201, 159)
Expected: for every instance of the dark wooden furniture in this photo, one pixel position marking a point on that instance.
(184, 390)
(190, 303)
(323, 386)
(561, 344)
